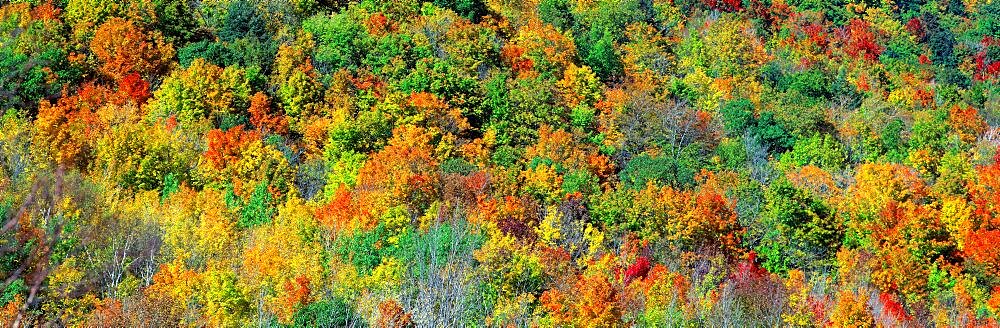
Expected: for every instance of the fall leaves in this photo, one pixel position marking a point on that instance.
(549, 163)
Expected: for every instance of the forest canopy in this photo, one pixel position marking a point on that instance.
(489, 163)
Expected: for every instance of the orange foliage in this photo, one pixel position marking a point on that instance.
(692, 219)
(906, 238)
(264, 118)
(851, 310)
(125, 48)
(967, 123)
(982, 248)
(379, 25)
(173, 284)
(226, 147)
(513, 56)
(592, 301)
(9, 313)
(404, 172)
(392, 315)
(298, 292)
(338, 213)
(437, 116)
(815, 180)
(67, 130)
(985, 195)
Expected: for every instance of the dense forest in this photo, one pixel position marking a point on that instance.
(500, 163)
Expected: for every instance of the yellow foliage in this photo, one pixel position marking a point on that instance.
(579, 86)
(216, 230)
(956, 214)
(798, 300)
(851, 310)
(548, 230)
(878, 184)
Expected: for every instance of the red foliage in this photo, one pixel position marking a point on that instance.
(134, 88)
(513, 55)
(817, 35)
(859, 39)
(725, 5)
(226, 147)
(892, 311)
(639, 269)
(924, 60)
(987, 68)
(760, 10)
(749, 269)
(516, 228)
(368, 81)
(916, 27)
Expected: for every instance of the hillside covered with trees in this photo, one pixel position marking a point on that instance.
(500, 163)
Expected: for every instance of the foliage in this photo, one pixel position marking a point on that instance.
(487, 163)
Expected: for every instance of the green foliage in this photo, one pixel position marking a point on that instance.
(822, 151)
(611, 208)
(325, 313)
(603, 56)
(258, 209)
(581, 181)
(811, 83)
(930, 132)
(457, 166)
(12, 290)
(177, 20)
(582, 117)
(243, 20)
(369, 131)
(772, 133)
(739, 120)
(341, 40)
(170, 186)
(732, 154)
(556, 12)
(737, 117)
(679, 171)
(33, 61)
(798, 231)
(468, 9)
(366, 249)
(250, 53)
(344, 170)
(436, 248)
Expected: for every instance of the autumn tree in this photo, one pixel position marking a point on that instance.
(125, 48)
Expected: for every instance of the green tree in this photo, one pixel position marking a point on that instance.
(796, 230)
